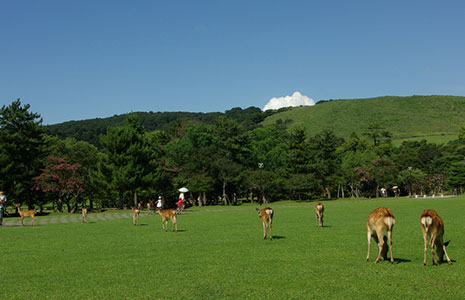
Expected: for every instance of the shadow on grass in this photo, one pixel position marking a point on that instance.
(278, 237)
(445, 262)
(401, 260)
(19, 225)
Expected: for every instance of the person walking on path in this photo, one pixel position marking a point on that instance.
(2, 202)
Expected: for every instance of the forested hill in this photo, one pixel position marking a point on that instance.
(434, 118)
(89, 130)
(405, 117)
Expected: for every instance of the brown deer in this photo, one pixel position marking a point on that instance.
(168, 214)
(26, 213)
(267, 219)
(150, 206)
(379, 221)
(84, 214)
(135, 215)
(319, 209)
(432, 226)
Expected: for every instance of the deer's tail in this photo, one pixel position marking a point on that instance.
(426, 221)
(389, 221)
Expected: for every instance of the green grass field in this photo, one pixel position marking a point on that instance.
(219, 253)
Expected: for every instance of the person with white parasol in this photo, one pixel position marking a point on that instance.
(181, 198)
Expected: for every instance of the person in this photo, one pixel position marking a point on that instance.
(383, 192)
(2, 202)
(159, 203)
(180, 201)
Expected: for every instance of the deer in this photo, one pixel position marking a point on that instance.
(432, 226)
(267, 219)
(84, 214)
(26, 213)
(150, 206)
(168, 214)
(135, 215)
(319, 209)
(379, 221)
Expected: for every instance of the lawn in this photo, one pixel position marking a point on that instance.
(219, 253)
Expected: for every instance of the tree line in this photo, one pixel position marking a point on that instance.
(224, 161)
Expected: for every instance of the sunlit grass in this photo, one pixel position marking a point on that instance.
(219, 253)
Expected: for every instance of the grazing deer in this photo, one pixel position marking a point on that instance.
(168, 214)
(26, 213)
(135, 215)
(379, 221)
(319, 209)
(84, 214)
(432, 226)
(267, 219)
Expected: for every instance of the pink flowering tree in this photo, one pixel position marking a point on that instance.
(63, 179)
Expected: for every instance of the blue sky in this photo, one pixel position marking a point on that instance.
(74, 60)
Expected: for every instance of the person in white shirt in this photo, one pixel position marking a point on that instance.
(159, 203)
(2, 202)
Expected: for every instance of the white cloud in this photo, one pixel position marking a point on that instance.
(297, 99)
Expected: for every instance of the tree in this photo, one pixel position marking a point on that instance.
(356, 156)
(63, 178)
(127, 164)
(325, 159)
(22, 151)
(413, 179)
(456, 178)
(78, 152)
(377, 132)
(461, 134)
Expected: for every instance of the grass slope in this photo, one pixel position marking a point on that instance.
(219, 254)
(405, 117)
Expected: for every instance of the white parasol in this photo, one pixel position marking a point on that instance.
(183, 190)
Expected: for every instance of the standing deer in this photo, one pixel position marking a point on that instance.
(379, 221)
(26, 213)
(267, 219)
(168, 214)
(135, 215)
(84, 214)
(319, 209)
(432, 226)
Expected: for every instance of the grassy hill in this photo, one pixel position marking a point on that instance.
(435, 118)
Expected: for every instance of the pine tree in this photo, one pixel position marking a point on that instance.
(22, 151)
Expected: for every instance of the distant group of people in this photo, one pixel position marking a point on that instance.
(395, 189)
(180, 203)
